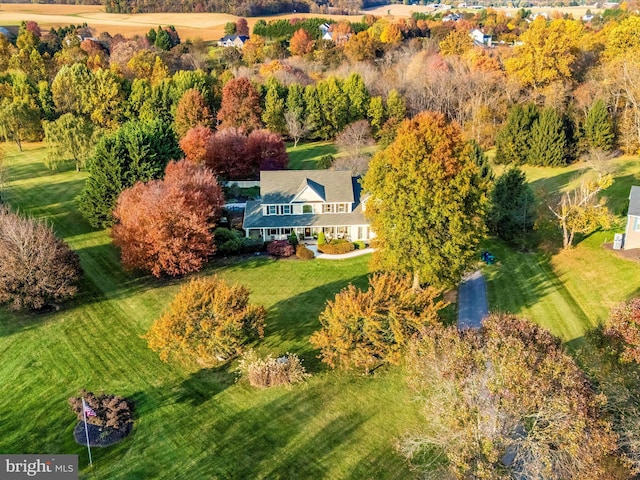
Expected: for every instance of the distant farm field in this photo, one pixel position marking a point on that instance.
(207, 26)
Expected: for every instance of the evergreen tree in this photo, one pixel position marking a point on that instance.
(151, 36)
(273, 114)
(163, 40)
(512, 213)
(313, 109)
(548, 140)
(512, 142)
(598, 127)
(485, 173)
(137, 151)
(335, 106)
(358, 96)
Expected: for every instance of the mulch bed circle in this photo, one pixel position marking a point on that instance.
(100, 436)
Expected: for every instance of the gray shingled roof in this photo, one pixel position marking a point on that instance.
(253, 218)
(634, 201)
(282, 186)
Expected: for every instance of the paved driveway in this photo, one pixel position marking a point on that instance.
(472, 301)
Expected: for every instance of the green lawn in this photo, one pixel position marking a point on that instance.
(190, 423)
(568, 291)
(306, 155)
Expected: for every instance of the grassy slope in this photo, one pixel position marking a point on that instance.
(190, 423)
(306, 155)
(571, 290)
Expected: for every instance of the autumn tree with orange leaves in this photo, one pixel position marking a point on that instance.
(240, 105)
(165, 226)
(301, 43)
(197, 144)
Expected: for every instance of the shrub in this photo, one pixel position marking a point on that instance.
(326, 162)
(293, 239)
(208, 321)
(359, 245)
(112, 411)
(363, 329)
(271, 372)
(304, 253)
(280, 248)
(321, 239)
(336, 247)
(35, 267)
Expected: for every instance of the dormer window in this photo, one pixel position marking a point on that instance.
(286, 209)
(307, 209)
(272, 210)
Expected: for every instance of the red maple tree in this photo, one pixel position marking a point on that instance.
(165, 226)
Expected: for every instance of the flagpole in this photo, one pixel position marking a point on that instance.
(86, 430)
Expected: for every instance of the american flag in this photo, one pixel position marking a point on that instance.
(88, 411)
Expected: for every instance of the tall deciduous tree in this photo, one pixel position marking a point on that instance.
(265, 150)
(68, 138)
(547, 53)
(598, 127)
(166, 226)
(580, 210)
(208, 321)
(192, 112)
(240, 105)
(623, 327)
(198, 145)
(137, 151)
(36, 268)
(301, 43)
(426, 204)
(242, 27)
(507, 402)
(362, 329)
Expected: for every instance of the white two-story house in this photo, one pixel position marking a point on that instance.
(307, 202)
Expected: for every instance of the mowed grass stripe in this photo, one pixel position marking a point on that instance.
(190, 422)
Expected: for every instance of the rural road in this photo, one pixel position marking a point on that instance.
(472, 301)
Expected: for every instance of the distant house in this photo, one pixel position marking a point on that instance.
(479, 38)
(632, 233)
(233, 41)
(452, 17)
(587, 17)
(307, 202)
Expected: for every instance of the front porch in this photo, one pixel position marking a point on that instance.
(310, 234)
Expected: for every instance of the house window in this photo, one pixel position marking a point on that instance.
(286, 231)
(307, 209)
(327, 208)
(342, 208)
(272, 231)
(636, 227)
(272, 210)
(286, 210)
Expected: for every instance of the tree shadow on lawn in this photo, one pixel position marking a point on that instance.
(292, 321)
(618, 193)
(19, 171)
(274, 440)
(517, 280)
(553, 185)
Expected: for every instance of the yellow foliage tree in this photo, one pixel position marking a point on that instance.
(208, 321)
(362, 329)
(547, 53)
(458, 42)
